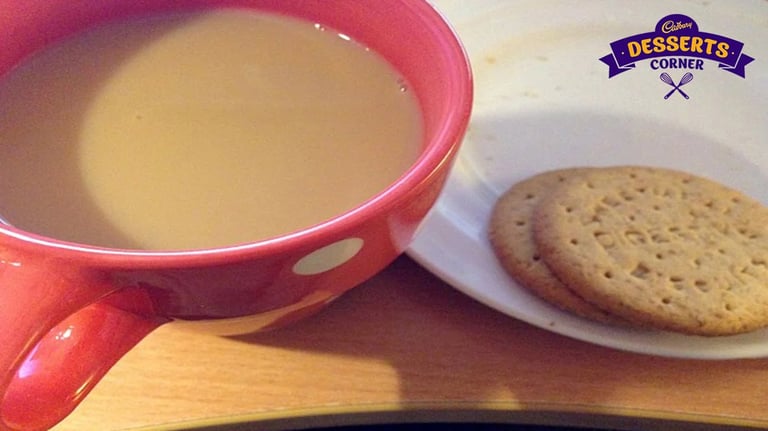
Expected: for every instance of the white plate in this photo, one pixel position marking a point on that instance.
(544, 101)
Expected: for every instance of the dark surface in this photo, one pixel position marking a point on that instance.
(453, 427)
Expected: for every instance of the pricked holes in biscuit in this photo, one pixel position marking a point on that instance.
(604, 239)
(610, 201)
(677, 282)
(521, 223)
(635, 237)
(751, 271)
(574, 241)
(701, 285)
(641, 271)
(590, 219)
(626, 196)
(681, 233)
(746, 233)
(608, 275)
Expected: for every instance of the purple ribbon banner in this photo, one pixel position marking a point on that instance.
(676, 37)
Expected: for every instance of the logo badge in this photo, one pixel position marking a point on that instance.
(676, 43)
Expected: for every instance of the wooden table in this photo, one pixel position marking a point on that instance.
(407, 347)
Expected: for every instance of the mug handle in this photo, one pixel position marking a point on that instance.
(61, 329)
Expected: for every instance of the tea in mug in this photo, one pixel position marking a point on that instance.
(199, 130)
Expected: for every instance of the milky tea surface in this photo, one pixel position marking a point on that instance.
(199, 130)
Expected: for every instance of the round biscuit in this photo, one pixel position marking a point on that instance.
(661, 247)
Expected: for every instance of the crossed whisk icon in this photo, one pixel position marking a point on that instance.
(688, 77)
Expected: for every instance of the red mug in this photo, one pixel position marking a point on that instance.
(70, 311)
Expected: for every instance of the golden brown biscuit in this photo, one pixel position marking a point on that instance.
(660, 247)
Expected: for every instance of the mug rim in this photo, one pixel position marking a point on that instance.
(438, 150)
